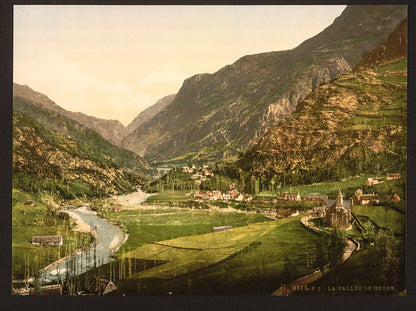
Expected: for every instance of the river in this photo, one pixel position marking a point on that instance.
(108, 239)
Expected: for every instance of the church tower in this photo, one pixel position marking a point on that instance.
(339, 200)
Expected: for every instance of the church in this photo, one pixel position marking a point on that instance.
(337, 215)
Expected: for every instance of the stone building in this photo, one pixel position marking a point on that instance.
(359, 198)
(337, 215)
(392, 176)
(288, 196)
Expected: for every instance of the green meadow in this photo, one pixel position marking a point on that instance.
(39, 219)
(148, 225)
(383, 216)
(255, 259)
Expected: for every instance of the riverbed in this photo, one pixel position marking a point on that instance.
(108, 239)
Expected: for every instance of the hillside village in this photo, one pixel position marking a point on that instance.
(335, 214)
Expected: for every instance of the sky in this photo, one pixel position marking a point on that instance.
(112, 62)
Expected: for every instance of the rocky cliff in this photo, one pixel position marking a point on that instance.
(216, 116)
(355, 124)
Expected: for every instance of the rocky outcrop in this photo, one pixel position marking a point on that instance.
(216, 116)
(356, 123)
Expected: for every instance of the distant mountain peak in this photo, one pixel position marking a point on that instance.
(150, 112)
(216, 116)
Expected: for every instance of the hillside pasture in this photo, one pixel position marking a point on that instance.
(383, 216)
(251, 259)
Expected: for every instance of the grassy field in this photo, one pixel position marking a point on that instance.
(348, 186)
(383, 217)
(249, 260)
(199, 251)
(169, 196)
(27, 221)
(160, 223)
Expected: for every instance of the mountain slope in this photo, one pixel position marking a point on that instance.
(217, 115)
(45, 162)
(111, 130)
(355, 124)
(150, 112)
(65, 126)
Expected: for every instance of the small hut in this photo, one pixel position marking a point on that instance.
(30, 202)
(54, 240)
(117, 209)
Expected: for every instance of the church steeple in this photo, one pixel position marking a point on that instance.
(339, 200)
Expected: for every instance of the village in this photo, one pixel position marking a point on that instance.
(335, 213)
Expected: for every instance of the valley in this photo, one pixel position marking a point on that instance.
(284, 173)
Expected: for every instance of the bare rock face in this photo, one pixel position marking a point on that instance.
(356, 123)
(111, 130)
(216, 116)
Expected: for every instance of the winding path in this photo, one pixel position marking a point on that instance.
(350, 247)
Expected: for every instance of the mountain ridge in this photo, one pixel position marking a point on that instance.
(352, 125)
(62, 125)
(149, 113)
(111, 130)
(216, 116)
(45, 162)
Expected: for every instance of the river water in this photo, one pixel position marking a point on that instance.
(109, 238)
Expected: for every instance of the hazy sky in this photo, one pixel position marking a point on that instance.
(114, 61)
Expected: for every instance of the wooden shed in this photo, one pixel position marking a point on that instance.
(54, 240)
(29, 202)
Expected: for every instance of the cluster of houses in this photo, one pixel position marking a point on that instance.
(378, 180)
(339, 215)
(200, 174)
(230, 195)
(295, 197)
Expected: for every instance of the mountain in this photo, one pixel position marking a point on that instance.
(62, 125)
(216, 116)
(355, 124)
(150, 112)
(46, 162)
(111, 130)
